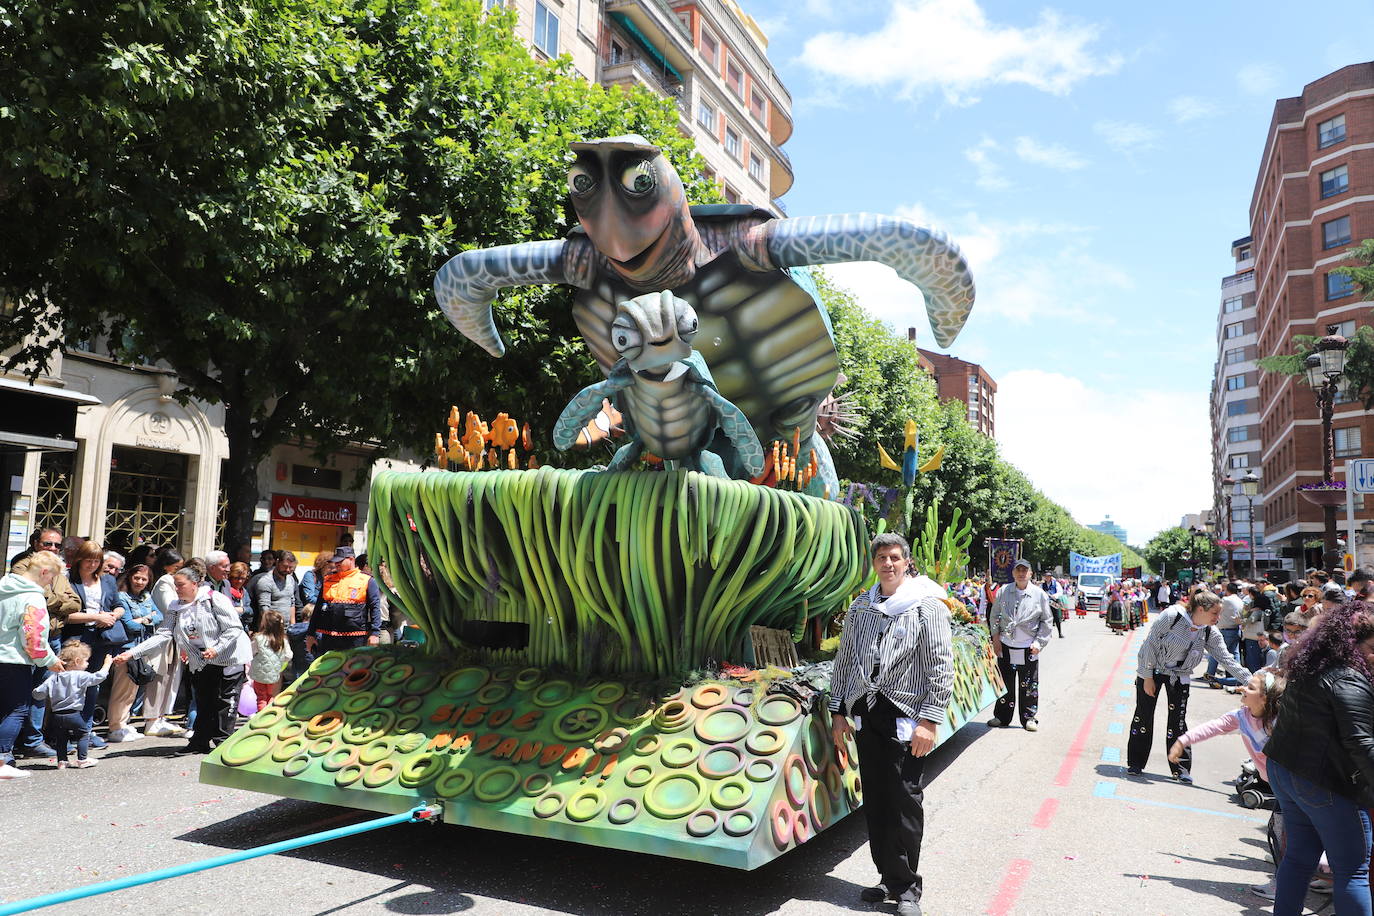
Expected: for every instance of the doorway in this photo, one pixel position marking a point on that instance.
(146, 502)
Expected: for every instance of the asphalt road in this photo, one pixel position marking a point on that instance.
(1017, 823)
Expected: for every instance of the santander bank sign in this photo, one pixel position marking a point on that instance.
(313, 511)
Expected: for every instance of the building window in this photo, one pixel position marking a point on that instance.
(545, 30)
(305, 475)
(1338, 286)
(1331, 132)
(1235, 356)
(1234, 304)
(732, 143)
(1347, 442)
(734, 78)
(1335, 181)
(1236, 408)
(1234, 330)
(758, 107)
(1336, 232)
(1244, 253)
(756, 168)
(710, 49)
(1235, 382)
(1238, 434)
(731, 195)
(617, 53)
(1240, 461)
(487, 5)
(706, 115)
(1240, 513)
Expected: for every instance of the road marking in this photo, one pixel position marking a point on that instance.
(1108, 790)
(1126, 694)
(1119, 709)
(1046, 813)
(1111, 755)
(1081, 739)
(1010, 888)
(1116, 728)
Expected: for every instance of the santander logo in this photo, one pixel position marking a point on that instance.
(315, 511)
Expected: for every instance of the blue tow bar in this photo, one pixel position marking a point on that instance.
(421, 814)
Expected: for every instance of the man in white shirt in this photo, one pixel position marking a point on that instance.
(1021, 625)
(1162, 596)
(1229, 624)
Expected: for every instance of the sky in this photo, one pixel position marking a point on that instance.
(1094, 162)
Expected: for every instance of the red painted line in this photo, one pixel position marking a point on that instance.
(1010, 888)
(1081, 739)
(1046, 813)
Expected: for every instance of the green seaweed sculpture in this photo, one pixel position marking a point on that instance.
(943, 554)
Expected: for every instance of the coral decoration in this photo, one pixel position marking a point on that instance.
(481, 446)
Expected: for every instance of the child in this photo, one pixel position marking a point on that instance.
(1254, 720)
(65, 695)
(271, 655)
(1272, 645)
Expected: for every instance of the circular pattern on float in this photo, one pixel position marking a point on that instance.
(723, 724)
(679, 753)
(326, 723)
(623, 811)
(493, 693)
(612, 742)
(703, 823)
(720, 761)
(766, 741)
(359, 679)
(854, 791)
(388, 699)
(673, 716)
(708, 696)
(526, 678)
(372, 753)
(359, 702)
(266, 718)
(632, 710)
(465, 681)
(504, 673)
(779, 709)
(496, 783)
(398, 673)
(371, 726)
(608, 693)
(357, 662)
(409, 704)
(585, 805)
(380, 773)
(306, 683)
(245, 749)
(285, 750)
(309, 705)
(407, 724)
(744, 697)
(761, 770)
(338, 759)
(290, 730)
(536, 783)
(551, 693)
(639, 775)
(780, 820)
(739, 823)
(732, 793)
(673, 794)
(328, 663)
(816, 745)
(320, 746)
(794, 780)
(348, 775)
(579, 723)
(421, 770)
(801, 828)
(383, 662)
(649, 744)
(333, 681)
(421, 684)
(548, 805)
(284, 698)
(453, 783)
(295, 766)
(819, 806)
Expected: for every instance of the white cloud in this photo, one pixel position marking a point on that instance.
(990, 177)
(1187, 108)
(1052, 427)
(1126, 136)
(951, 46)
(1051, 155)
(1259, 79)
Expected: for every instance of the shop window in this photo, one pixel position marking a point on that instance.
(304, 475)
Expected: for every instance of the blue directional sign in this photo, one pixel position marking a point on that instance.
(1359, 475)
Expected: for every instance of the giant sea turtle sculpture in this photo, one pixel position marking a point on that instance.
(763, 333)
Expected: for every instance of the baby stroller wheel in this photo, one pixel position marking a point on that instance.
(1251, 798)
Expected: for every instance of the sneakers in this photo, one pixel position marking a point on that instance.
(1134, 771)
(97, 742)
(996, 723)
(12, 772)
(873, 894)
(85, 764)
(40, 751)
(1031, 725)
(120, 735)
(164, 729)
(1265, 891)
(1184, 777)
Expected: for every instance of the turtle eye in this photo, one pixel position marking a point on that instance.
(687, 324)
(580, 181)
(639, 178)
(627, 340)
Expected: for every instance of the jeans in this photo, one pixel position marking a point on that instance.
(64, 728)
(1318, 819)
(16, 681)
(1254, 655)
(1230, 636)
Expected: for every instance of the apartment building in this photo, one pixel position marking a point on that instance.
(1110, 528)
(1313, 199)
(964, 381)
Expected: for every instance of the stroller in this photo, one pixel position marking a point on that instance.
(1254, 792)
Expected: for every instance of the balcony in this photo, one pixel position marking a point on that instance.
(633, 70)
(781, 176)
(1237, 279)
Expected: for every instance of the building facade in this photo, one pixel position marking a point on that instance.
(1107, 526)
(1313, 199)
(969, 382)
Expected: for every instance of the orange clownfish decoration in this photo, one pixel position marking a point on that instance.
(504, 432)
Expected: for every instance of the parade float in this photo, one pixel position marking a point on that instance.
(611, 656)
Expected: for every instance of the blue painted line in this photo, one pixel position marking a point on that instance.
(1119, 709)
(1111, 755)
(1126, 694)
(1116, 728)
(1108, 790)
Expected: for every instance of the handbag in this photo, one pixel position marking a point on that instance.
(139, 671)
(113, 636)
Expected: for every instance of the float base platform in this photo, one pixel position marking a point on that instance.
(712, 773)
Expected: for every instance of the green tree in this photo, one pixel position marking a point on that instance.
(258, 196)
(1175, 548)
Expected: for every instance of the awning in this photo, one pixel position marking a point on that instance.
(39, 417)
(49, 391)
(654, 53)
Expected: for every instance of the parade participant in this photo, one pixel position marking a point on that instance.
(1053, 590)
(141, 617)
(349, 612)
(205, 629)
(62, 602)
(271, 655)
(1321, 760)
(160, 695)
(24, 648)
(64, 696)
(1019, 622)
(99, 623)
(894, 675)
(1170, 652)
(1118, 618)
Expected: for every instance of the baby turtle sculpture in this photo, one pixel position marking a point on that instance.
(663, 391)
(763, 334)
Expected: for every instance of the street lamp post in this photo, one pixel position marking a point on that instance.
(1192, 550)
(1228, 488)
(1249, 485)
(1324, 367)
(1209, 530)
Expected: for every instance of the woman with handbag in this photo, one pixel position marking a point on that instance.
(99, 623)
(161, 693)
(209, 637)
(141, 617)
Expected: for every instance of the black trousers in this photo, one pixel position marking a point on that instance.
(1143, 722)
(1023, 686)
(217, 705)
(893, 798)
(63, 728)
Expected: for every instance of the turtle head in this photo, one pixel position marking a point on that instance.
(653, 331)
(630, 201)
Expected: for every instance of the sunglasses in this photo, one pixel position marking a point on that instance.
(50, 544)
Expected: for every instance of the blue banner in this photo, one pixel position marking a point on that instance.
(1079, 564)
(1002, 556)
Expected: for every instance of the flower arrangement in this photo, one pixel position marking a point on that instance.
(1232, 545)
(1324, 485)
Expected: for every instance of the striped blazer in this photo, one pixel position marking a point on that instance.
(914, 653)
(1173, 648)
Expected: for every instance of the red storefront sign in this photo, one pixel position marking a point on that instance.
(313, 511)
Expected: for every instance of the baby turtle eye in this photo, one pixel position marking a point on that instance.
(639, 178)
(580, 181)
(687, 324)
(626, 339)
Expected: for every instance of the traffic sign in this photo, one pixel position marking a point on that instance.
(1359, 475)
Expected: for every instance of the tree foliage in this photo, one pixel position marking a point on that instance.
(258, 196)
(1175, 548)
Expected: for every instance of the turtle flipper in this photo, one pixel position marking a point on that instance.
(467, 285)
(586, 404)
(737, 428)
(626, 455)
(923, 257)
(709, 463)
